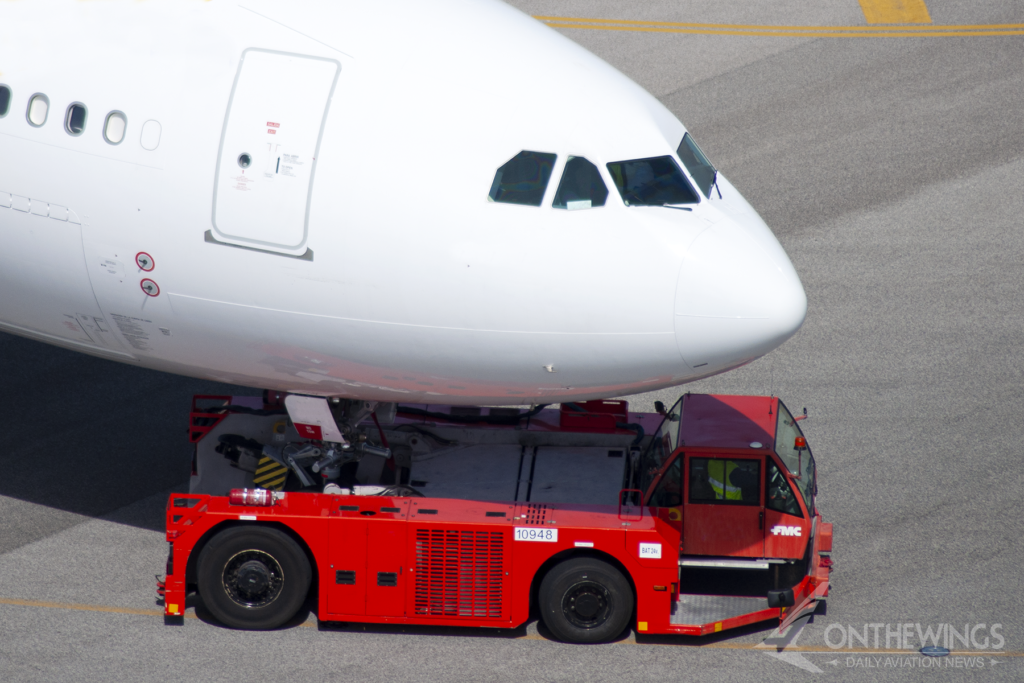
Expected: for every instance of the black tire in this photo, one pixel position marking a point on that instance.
(253, 577)
(585, 600)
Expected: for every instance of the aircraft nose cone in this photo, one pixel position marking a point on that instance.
(737, 299)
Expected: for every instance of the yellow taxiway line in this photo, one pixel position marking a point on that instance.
(872, 31)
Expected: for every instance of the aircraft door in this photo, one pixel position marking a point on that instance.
(269, 147)
(723, 514)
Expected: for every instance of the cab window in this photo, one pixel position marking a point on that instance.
(779, 494)
(797, 459)
(662, 445)
(581, 186)
(651, 182)
(669, 493)
(522, 179)
(725, 481)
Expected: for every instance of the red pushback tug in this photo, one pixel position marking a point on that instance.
(471, 516)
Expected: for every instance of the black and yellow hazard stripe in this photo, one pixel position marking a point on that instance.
(270, 474)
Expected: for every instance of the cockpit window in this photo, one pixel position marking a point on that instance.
(581, 186)
(702, 170)
(523, 179)
(651, 182)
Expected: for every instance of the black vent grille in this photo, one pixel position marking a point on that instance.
(535, 513)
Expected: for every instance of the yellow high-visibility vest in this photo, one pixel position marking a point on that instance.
(718, 477)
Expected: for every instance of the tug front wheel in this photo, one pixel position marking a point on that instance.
(253, 577)
(585, 600)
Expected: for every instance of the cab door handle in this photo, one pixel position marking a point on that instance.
(760, 520)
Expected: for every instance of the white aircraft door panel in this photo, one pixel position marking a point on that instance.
(268, 150)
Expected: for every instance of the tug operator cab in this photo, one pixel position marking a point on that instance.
(735, 476)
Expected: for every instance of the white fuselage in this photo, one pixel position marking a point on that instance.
(357, 254)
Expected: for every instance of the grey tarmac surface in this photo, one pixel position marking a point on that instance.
(890, 168)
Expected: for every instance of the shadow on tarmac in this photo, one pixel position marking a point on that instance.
(88, 436)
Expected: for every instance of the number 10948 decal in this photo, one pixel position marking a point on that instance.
(534, 534)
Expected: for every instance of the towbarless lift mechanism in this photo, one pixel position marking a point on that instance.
(691, 521)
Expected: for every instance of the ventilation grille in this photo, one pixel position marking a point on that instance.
(459, 573)
(535, 513)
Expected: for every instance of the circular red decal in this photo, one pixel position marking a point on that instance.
(144, 261)
(149, 287)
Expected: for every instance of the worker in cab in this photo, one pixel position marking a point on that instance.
(719, 473)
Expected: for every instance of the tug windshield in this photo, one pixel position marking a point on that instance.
(662, 445)
(798, 461)
(651, 182)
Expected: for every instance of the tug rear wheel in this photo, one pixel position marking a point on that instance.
(585, 600)
(253, 577)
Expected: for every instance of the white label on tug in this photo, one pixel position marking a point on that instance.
(650, 550)
(780, 530)
(524, 533)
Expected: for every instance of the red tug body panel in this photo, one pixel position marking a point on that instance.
(709, 501)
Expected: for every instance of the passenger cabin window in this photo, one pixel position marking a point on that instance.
(5, 100)
(74, 120)
(523, 179)
(721, 480)
(651, 182)
(38, 108)
(114, 127)
(581, 186)
(701, 170)
(779, 495)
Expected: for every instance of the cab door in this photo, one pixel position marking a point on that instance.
(723, 506)
(786, 524)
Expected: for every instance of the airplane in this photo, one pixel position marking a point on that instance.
(425, 202)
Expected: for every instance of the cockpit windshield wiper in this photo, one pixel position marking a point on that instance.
(673, 206)
(714, 183)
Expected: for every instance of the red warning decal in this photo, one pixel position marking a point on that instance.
(271, 131)
(273, 125)
(144, 261)
(309, 431)
(149, 287)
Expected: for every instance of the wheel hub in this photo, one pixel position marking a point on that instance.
(586, 604)
(253, 578)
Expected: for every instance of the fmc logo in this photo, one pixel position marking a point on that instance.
(780, 530)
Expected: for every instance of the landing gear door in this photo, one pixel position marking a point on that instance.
(269, 148)
(723, 510)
